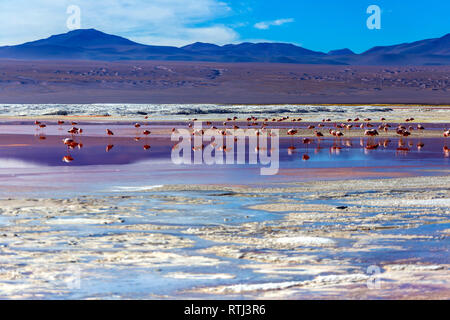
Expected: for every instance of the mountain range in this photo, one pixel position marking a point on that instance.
(91, 44)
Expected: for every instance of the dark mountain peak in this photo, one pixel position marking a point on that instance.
(271, 48)
(85, 38)
(260, 44)
(428, 48)
(445, 39)
(201, 46)
(341, 52)
(238, 45)
(89, 31)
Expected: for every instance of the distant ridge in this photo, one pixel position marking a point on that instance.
(91, 44)
(341, 52)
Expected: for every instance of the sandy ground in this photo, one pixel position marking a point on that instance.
(202, 82)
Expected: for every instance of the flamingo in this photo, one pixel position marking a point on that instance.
(109, 132)
(318, 134)
(68, 141)
(386, 143)
(71, 144)
(291, 150)
(446, 151)
(73, 131)
(371, 133)
(292, 132)
(67, 159)
(420, 145)
(447, 133)
(371, 146)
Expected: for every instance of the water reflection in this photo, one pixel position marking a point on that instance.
(80, 150)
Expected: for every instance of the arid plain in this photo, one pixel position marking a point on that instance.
(230, 83)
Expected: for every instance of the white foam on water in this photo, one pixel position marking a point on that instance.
(327, 280)
(187, 110)
(82, 221)
(16, 164)
(304, 240)
(441, 202)
(134, 189)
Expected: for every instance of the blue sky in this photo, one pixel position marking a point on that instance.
(318, 25)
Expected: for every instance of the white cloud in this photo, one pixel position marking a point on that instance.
(264, 25)
(184, 36)
(159, 22)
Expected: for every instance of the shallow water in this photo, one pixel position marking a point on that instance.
(105, 164)
(33, 167)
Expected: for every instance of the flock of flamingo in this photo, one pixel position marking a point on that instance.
(335, 130)
(369, 131)
(72, 144)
